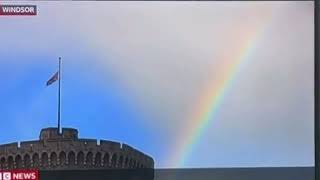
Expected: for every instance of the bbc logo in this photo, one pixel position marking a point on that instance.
(19, 175)
(5, 175)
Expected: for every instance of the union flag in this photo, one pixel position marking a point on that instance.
(53, 79)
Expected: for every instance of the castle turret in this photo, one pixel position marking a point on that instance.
(52, 134)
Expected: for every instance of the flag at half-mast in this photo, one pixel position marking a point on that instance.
(53, 79)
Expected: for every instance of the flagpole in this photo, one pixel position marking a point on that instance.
(59, 97)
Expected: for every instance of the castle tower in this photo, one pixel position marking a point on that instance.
(59, 151)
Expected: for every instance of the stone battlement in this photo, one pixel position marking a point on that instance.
(52, 148)
(53, 134)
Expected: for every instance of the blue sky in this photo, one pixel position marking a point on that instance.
(134, 72)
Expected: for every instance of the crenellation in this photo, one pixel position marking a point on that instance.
(109, 145)
(66, 150)
(88, 142)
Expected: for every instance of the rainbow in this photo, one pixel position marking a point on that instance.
(210, 103)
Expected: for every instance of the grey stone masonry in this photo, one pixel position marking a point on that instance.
(57, 151)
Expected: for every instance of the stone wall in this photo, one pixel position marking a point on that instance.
(58, 152)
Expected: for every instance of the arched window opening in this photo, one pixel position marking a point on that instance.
(80, 159)
(89, 159)
(27, 161)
